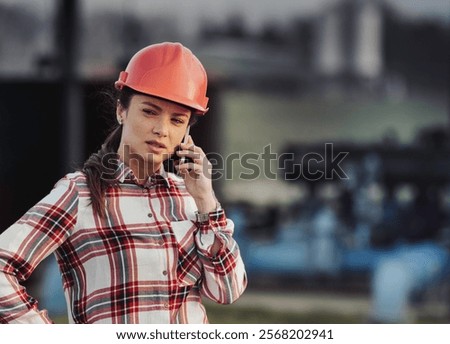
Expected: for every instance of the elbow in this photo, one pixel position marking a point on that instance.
(235, 292)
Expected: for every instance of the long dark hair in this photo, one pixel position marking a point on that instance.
(95, 166)
(105, 159)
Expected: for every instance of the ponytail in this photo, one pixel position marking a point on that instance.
(95, 167)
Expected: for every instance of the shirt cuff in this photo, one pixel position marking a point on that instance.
(210, 231)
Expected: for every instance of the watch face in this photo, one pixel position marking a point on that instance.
(202, 217)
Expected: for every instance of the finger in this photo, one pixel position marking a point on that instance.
(190, 154)
(188, 143)
(188, 158)
(182, 172)
(200, 169)
(187, 146)
(194, 149)
(191, 146)
(190, 167)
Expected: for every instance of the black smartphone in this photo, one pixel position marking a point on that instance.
(174, 160)
(185, 139)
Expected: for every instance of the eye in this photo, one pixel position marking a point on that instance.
(178, 121)
(149, 112)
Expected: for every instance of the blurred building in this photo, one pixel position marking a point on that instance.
(350, 40)
(358, 40)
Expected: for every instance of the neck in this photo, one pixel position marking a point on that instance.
(141, 168)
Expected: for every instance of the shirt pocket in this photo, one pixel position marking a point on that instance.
(189, 267)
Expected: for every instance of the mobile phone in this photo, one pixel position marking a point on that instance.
(185, 139)
(170, 163)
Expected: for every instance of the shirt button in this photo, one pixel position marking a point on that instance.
(165, 272)
(166, 305)
(150, 215)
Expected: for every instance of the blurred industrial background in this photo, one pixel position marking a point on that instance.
(363, 240)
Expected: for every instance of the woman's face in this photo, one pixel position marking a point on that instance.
(152, 129)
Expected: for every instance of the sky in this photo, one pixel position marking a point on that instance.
(255, 11)
(259, 11)
(186, 14)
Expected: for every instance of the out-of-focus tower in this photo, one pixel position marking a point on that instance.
(367, 49)
(348, 41)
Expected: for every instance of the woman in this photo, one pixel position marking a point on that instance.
(134, 244)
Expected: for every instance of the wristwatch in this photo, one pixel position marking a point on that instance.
(201, 217)
(204, 217)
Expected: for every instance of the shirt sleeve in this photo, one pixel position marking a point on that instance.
(26, 243)
(225, 278)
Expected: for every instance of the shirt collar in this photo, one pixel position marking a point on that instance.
(124, 174)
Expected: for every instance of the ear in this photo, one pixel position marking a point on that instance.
(120, 112)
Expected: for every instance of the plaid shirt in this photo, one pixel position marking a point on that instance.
(147, 261)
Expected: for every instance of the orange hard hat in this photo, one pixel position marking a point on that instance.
(169, 71)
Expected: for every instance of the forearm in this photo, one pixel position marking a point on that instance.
(224, 272)
(18, 259)
(16, 306)
(207, 204)
(26, 243)
(225, 278)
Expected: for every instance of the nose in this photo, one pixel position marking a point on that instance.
(161, 127)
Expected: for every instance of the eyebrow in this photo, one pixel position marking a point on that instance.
(154, 105)
(160, 109)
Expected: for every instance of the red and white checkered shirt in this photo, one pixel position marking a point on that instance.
(147, 261)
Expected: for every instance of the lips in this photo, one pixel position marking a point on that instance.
(156, 147)
(156, 144)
